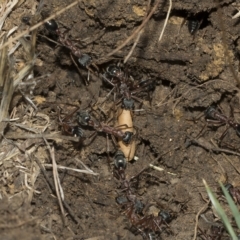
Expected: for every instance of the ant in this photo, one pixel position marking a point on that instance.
(149, 223)
(84, 59)
(120, 164)
(216, 233)
(193, 25)
(68, 127)
(234, 192)
(125, 86)
(84, 119)
(215, 117)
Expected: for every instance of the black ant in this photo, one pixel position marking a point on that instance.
(84, 119)
(148, 223)
(234, 192)
(215, 234)
(120, 164)
(215, 117)
(69, 128)
(84, 59)
(125, 86)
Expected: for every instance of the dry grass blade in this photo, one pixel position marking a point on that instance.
(135, 32)
(38, 25)
(166, 20)
(53, 136)
(73, 169)
(7, 94)
(22, 74)
(58, 187)
(3, 62)
(5, 8)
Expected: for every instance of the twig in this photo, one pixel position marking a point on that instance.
(166, 20)
(138, 36)
(52, 136)
(58, 187)
(49, 182)
(73, 169)
(133, 47)
(135, 32)
(38, 24)
(197, 216)
(208, 146)
(237, 14)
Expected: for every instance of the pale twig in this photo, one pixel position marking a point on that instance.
(135, 32)
(197, 217)
(87, 168)
(53, 136)
(73, 169)
(133, 47)
(58, 187)
(6, 8)
(138, 36)
(160, 169)
(237, 14)
(38, 24)
(49, 182)
(166, 20)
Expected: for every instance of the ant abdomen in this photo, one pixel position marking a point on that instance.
(51, 25)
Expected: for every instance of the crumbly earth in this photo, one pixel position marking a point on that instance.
(191, 72)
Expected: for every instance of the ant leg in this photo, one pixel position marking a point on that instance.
(91, 137)
(199, 134)
(74, 62)
(231, 111)
(223, 135)
(108, 150)
(226, 144)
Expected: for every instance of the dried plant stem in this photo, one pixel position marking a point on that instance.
(73, 169)
(38, 24)
(133, 47)
(53, 136)
(166, 20)
(138, 36)
(49, 182)
(135, 32)
(197, 217)
(58, 188)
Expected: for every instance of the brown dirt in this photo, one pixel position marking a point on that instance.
(191, 73)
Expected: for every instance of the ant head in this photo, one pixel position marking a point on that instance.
(120, 160)
(26, 20)
(166, 216)
(209, 112)
(128, 104)
(51, 25)
(139, 206)
(127, 137)
(121, 200)
(228, 186)
(85, 60)
(114, 71)
(83, 117)
(148, 84)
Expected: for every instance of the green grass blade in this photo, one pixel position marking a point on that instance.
(232, 205)
(220, 212)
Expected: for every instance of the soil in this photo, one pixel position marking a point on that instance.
(190, 71)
